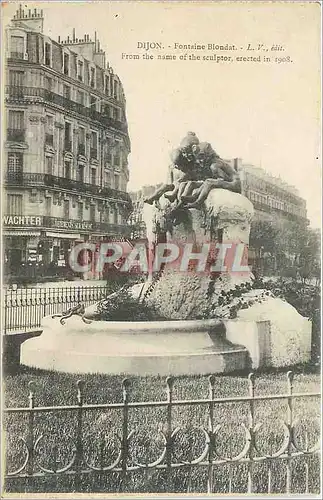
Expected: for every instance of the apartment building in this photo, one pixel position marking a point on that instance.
(66, 145)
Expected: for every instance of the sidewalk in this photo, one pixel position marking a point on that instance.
(69, 284)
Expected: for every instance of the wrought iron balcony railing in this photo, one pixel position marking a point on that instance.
(17, 55)
(48, 180)
(18, 92)
(16, 134)
(94, 153)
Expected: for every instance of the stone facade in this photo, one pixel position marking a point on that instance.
(67, 143)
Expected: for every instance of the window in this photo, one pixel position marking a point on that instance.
(48, 205)
(14, 204)
(106, 215)
(80, 70)
(67, 91)
(49, 130)
(80, 173)
(92, 213)
(93, 175)
(111, 86)
(16, 120)
(15, 165)
(66, 64)
(81, 141)
(80, 97)
(67, 137)
(67, 169)
(16, 78)
(93, 103)
(115, 215)
(92, 77)
(48, 50)
(16, 126)
(106, 84)
(116, 181)
(48, 82)
(80, 211)
(49, 165)
(115, 90)
(66, 209)
(94, 145)
(17, 47)
(107, 179)
(117, 159)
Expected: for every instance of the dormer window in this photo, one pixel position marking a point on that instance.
(48, 54)
(106, 85)
(17, 47)
(80, 71)
(66, 64)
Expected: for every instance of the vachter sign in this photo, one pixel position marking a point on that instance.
(22, 220)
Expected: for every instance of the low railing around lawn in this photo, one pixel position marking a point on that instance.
(95, 449)
(24, 308)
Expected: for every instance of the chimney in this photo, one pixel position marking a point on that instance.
(32, 19)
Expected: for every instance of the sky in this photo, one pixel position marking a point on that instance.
(268, 114)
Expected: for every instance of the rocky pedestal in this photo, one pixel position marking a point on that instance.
(182, 293)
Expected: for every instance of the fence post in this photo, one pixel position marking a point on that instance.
(290, 378)
(169, 437)
(211, 434)
(31, 434)
(45, 299)
(79, 437)
(251, 379)
(124, 439)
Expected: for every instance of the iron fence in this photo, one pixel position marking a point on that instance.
(24, 308)
(116, 465)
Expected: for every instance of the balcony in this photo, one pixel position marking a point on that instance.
(81, 149)
(17, 55)
(94, 153)
(49, 139)
(21, 93)
(52, 181)
(17, 135)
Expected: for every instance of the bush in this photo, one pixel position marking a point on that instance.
(123, 307)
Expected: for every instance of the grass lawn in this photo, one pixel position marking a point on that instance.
(103, 426)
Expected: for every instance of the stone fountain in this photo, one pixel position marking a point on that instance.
(208, 327)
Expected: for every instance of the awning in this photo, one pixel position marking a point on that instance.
(21, 233)
(69, 236)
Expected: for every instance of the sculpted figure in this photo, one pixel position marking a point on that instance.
(196, 169)
(181, 170)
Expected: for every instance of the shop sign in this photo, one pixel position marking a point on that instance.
(22, 220)
(71, 224)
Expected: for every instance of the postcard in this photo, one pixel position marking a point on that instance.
(161, 249)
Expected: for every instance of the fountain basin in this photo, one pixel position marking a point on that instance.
(135, 348)
(268, 334)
